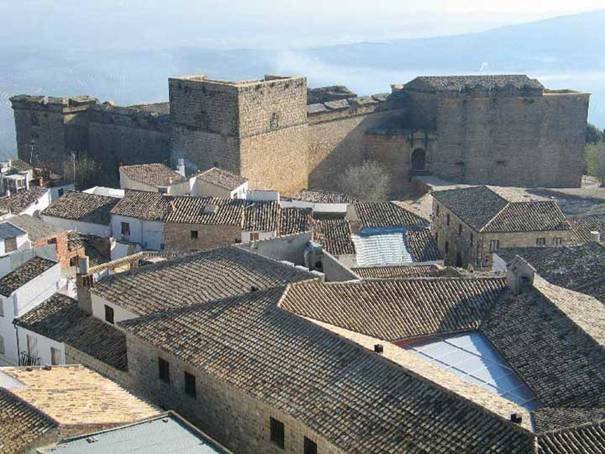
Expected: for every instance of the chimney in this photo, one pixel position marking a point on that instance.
(84, 280)
(595, 235)
(180, 168)
(519, 274)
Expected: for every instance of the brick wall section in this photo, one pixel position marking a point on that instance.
(64, 254)
(233, 418)
(178, 236)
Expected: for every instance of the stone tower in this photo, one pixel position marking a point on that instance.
(255, 128)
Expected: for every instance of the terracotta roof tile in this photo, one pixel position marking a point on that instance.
(334, 235)
(222, 178)
(397, 272)
(153, 174)
(84, 207)
(150, 206)
(206, 211)
(323, 197)
(386, 214)
(18, 202)
(20, 276)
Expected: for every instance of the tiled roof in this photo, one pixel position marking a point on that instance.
(18, 202)
(61, 319)
(334, 235)
(20, 423)
(84, 207)
(8, 230)
(575, 267)
(222, 178)
(422, 245)
(152, 174)
(150, 206)
(586, 439)
(583, 225)
(203, 276)
(397, 309)
(397, 272)
(491, 210)
(76, 397)
(23, 274)
(20, 165)
(355, 399)
(35, 227)
(323, 197)
(294, 220)
(206, 210)
(460, 83)
(554, 339)
(386, 214)
(261, 217)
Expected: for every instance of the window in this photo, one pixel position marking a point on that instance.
(194, 234)
(164, 370)
(109, 314)
(310, 447)
(558, 241)
(254, 236)
(471, 238)
(10, 244)
(73, 261)
(61, 191)
(2, 345)
(447, 219)
(437, 211)
(494, 245)
(55, 356)
(540, 241)
(277, 433)
(190, 385)
(125, 228)
(459, 229)
(32, 345)
(52, 241)
(447, 247)
(437, 237)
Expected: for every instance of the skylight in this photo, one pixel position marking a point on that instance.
(471, 357)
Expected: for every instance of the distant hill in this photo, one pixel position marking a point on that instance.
(564, 52)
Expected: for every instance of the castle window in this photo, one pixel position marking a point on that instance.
(277, 433)
(541, 241)
(310, 447)
(164, 370)
(419, 159)
(447, 247)
(494, 245)
(459, 229)
(190, 385)
(274, 122)
(558, 241)
(471, 238)
(194, 234)
(447, 219)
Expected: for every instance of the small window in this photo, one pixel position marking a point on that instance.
(109, 314)
(310, 447)
(277, 433)
(494, 245)
(558, 241)
(164, 370)
(10, 245)
(540, 241)
(55, 356)
(447, 247)
(472, 239)
(2, 345)
(125, 228)
(73, 261)
(194, 234)
(447, 219)
(52, 241)
(190, 385)
(254, 236)
(61, 191)
(459, 229)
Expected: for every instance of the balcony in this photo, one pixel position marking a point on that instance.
(25, 359)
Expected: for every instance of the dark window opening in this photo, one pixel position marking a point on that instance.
(164, 370)
(109, 314)
(458, 260)
(194, 234)
(459, 229)
(277, 433)
(61, 191)
(447, 247)
(437, 210)
(419, 159)
(190, 385)
(447, 219)
(310, 447)
(472, 239)
(540, 241)
(125, 228)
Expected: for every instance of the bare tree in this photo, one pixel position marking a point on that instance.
(595, 160)
(80, 169)
(366, 181)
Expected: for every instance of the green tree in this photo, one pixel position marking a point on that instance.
(595, 160)
(593, 134)
(366, 181)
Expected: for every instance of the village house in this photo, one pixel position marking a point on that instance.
(40, 406)
(83, 212)
(290, 369)
(29, 201)
(154, 178)
(217, 182)
(472, 223)
(22, 290)
(15, 176)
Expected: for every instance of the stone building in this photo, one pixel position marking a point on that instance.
(505, 130)
(472, 223)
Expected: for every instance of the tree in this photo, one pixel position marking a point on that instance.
(82, 170)
(595, 160)
(366, 181)
(593, 134)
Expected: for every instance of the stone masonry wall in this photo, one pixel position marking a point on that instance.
(178, 236)
(233, 418)
(74, 356)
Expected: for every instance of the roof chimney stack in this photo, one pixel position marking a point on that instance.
(595, 235)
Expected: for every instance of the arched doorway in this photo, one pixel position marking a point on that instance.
(419, 159)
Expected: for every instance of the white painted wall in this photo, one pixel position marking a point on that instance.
(318, 208)
(119, 313)
(82, 227)
(22, 243)
(149, 234)
(183, 188)
(43, 346)
(42, 203)
(107, 192)
(261, 236)
(58, 191)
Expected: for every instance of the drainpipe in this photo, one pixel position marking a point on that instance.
(18, 348)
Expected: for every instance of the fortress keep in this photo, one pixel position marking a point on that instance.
(498, 130)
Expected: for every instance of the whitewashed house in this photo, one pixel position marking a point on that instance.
(22, 290)
(217, 182)
(155, 178)
(12, 239)
(83, 212)
(30, 201)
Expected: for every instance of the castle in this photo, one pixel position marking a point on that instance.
(498, 130)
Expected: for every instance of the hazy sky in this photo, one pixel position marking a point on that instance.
(258, 23)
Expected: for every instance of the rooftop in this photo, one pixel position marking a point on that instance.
(316, 196)
(150, 206)
(397, 272)
(213, 274)
(21, 275)
(35, 227)
(76, 397)
(61, 319)
(18, 202)
(9, 230)
(490, 209)
(222, 178)
(83, 207)
(156, 174)
(334, 236)
(205, 210)
(386, 214)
